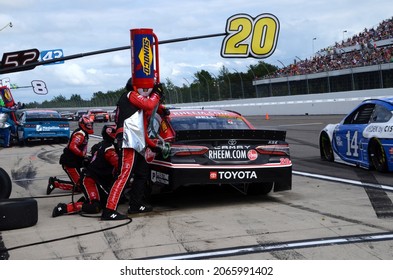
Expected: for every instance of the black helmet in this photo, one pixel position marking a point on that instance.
(108, 133)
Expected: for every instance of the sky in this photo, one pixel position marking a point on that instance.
(81, 26)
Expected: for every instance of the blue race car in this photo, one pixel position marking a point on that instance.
(42, 125)
(363, 138)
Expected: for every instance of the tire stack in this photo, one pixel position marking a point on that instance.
(15, 212)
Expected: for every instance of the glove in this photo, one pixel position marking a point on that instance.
(158, 89)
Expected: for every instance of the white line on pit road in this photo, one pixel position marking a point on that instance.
(341, 180)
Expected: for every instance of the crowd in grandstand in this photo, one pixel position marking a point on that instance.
(359, 50)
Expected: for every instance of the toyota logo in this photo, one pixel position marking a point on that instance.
(232, 142)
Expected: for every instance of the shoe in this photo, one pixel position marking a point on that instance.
(112, 215)
(51, 185)
(139, 208)
(59, 210)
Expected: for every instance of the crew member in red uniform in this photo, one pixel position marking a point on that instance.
(98, 177)
(133, 109)
(73, 157)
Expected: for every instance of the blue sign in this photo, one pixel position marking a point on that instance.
(52, 54)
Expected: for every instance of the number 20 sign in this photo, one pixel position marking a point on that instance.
(250, 37)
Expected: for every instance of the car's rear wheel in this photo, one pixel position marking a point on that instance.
(326, 147)
(377, 156)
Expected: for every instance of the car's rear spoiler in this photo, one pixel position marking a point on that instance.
(255, 134)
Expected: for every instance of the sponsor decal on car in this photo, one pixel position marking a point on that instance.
(338, 141)
(252, 154)
(159, 177)
(382, 131)
(388, 128)
(47, 128)
(232, 175)
(232, 154)
(374, 128)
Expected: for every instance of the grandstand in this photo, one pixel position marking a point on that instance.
(362, 62)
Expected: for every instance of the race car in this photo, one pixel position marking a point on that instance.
(363, 138)
(42, 125)
(98, 115)
(218, 147)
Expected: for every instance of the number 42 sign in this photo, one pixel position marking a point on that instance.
(250, 37)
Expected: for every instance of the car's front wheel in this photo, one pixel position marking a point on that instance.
(325, 147)
(377, 156)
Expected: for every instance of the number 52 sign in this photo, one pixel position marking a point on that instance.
(250, 37)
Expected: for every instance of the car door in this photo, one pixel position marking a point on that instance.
(348, 140)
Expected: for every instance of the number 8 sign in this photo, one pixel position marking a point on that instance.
(250, 37)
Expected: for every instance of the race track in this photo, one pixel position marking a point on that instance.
(320, 218)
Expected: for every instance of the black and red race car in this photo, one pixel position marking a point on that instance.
(209, 146)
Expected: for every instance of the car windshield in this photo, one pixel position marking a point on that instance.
(34, 116)
(208, 122)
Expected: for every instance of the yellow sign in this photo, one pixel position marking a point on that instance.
(250, 37)
(146, 55)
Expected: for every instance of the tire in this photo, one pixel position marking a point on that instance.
(377, 156)
(260, 188)
(325, 148)
(18, 213)
(5, 184)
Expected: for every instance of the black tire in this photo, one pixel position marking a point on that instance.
(377, 156)
(18, 213)
(5, 184)
(325, 148)
(260, 188)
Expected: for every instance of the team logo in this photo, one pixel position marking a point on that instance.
(232, 175)
(213, 175)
